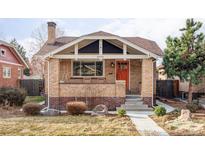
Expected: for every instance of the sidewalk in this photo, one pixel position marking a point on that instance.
(145, 125)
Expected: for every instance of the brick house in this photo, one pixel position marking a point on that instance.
(11, 65)
(99, 68)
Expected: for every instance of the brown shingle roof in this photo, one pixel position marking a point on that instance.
(141, 42)
(46, 48)
(146, 44)
(100, 33)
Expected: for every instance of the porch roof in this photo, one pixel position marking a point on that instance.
(146, 44)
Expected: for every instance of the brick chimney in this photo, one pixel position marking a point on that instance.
(51, 32)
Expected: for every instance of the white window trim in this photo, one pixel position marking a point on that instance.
(6, 77)
(85, 60)
(19, 69)
(4, 52)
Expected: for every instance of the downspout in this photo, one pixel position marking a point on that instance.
(153, 62)
(48, 85)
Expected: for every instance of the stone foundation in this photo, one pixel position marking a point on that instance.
(110, 102)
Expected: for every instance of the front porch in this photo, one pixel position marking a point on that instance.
(99, 72)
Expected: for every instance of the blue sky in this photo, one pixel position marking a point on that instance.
(22, 28)
(154, 29)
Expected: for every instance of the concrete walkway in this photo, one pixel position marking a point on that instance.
(145, 125)
(167, 107)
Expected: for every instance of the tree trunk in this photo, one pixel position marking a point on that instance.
(190, 92)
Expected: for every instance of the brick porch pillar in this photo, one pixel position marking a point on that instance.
(53, 81)
(148, 82)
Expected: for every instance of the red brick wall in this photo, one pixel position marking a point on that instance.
(9, 82)
(10, 55)
(7, 61)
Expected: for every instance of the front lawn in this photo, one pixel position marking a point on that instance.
(34, 99)
(68, 125)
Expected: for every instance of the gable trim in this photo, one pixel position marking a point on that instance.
(17, 53)
(103, 38)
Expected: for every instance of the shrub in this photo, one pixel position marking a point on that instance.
(76, 107)
(121, 112)
(193, 107)
(32, 109)
(160, 111)
(12, 96)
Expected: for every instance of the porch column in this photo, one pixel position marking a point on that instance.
(100, 47)
(148, 82)
(53, 81)
(76, 51)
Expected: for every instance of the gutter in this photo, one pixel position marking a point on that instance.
(48, 101)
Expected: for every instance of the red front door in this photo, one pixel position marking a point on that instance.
(122, 72)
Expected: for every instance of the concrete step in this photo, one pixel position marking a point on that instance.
(133, 96)
(133, 99)
(136, 109)
(134, 105)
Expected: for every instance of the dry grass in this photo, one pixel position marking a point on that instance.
(175, 127)
(67, 125)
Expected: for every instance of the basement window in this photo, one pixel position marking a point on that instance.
(87, 68)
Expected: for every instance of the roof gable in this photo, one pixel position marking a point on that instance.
(14, 52)
(145, 44)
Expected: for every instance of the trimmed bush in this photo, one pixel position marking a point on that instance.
(121, 112)
(12, 96)
(160, 111)
(76, 107)
(32, 109)
(193, 107)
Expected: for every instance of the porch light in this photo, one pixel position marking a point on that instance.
(112, 64)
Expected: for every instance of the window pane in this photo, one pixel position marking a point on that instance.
(88, 69)
(4, 72)
(76, 68)
(99, 68)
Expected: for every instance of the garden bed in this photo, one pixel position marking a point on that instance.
(68, 125)
(175, 127)
(180, 105)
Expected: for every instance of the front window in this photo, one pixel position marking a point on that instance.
(88, 68)
(6, 72)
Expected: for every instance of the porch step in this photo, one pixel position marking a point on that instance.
(134, 103)
(132, 96)
(133, 99)
(134, 106)
(136, 109)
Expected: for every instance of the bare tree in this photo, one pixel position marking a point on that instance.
(39, 37)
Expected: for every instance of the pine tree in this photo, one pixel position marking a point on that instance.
(22, 52)
(19, 48)
(185, 55)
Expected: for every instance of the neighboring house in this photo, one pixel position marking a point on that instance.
(11, 65)
(183, 85)
(99, 68)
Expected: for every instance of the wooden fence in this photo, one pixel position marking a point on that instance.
(167, 88)
(34, 87)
